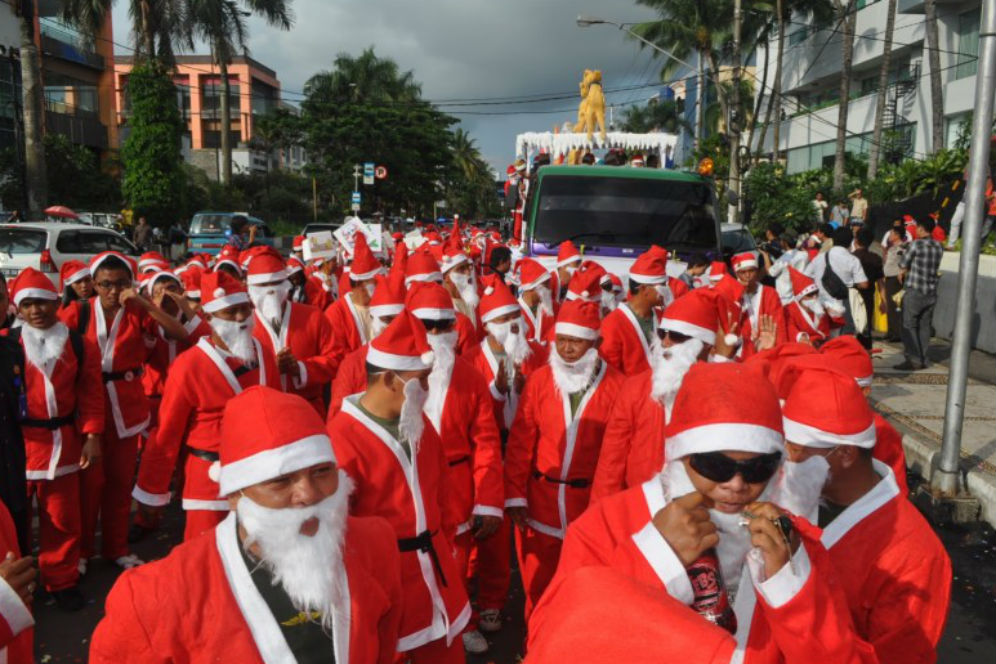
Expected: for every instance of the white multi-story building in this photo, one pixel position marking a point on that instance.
(811, 69)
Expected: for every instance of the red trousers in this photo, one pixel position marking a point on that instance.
(490, 564)
(199, 521)
(517, 226)
(436, 652)
(105, 491)
(58, 529)
(538, 556)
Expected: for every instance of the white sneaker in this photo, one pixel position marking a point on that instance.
(129, 561)
(81, 566)
(490, 620)
(474, 642)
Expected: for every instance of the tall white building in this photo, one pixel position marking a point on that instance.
(811, 69)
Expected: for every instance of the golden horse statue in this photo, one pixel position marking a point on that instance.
(591, 111)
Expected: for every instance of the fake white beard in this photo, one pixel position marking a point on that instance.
(667, 297)
(444, 354)
(546, 299)
(302, 565)
(609, 302)
(798, 486)
(669, 368)
(571, 377)
(516, 345)
(813, 305)
(237, 337)
(269, 301)
(411, 424)
(42, 346)
(467, 287)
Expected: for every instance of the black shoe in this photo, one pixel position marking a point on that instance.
(69, 599)
(137, 533)
(907, 366)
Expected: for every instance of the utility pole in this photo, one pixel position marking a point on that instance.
(314, 198)
(945, 478)
(734, 120)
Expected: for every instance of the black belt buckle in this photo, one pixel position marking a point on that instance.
(206, 455)
(423, 542)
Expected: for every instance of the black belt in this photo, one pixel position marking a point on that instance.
(574, 484)
(457, 462)
(127, 374)
(51, 423)
(423, 542)
(210, 457)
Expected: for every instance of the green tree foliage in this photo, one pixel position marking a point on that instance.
(661, 115)
(153, 180)
(75, 178)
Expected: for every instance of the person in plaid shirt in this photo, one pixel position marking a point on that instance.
(918, 272)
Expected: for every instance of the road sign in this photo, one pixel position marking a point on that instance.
(368, 173)
(380, 172)
(356, 201)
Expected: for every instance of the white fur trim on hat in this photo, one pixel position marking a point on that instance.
(542, 279)
(428, 313)
(162, 274)
(366, 275)
(424, 277)
(576, 258)
(265, 465)
(684, 327)
(574, 330)
(381, 310)
(76, 276)
(499, 312)
(450, 262)
(808, 290)
(193, 294)
(725, 436)
(226, 301)
(379, 358)
(36, 293)
(256, 279)
(865, 381)
(746, 264)
(651, 279)
(810, 436)
(97, 262)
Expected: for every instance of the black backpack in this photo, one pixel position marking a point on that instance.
(832, 284)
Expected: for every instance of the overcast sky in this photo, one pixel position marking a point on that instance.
(464, 49)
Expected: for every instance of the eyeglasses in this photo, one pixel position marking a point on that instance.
(718, 467)
(110, 285)
(444, 325)
(676, 337)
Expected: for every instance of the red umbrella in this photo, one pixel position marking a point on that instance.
(61, 211)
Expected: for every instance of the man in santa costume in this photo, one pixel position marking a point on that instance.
(398, 464)
(568, 261)
(288, 576)
(200, 382)
(893, 568)
(628, 331)
(228, 261)
(459, 407)
(725, 446)
(805, 319)
(758, 301)
(298, 336)
(552, 451)
(62, 420)
(191, 279)
(460, 280)
(535, 299)
(17, 589)
(633, 447)
(348, 315)
(422, 267)
(122, 324)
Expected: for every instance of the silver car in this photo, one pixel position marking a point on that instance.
(46, 246)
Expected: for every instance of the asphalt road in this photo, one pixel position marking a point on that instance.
(969, 638)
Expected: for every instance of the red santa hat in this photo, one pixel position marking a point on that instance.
(220, 290)
(422, 266)
(496, 300)
(102, 257)
(585, 285)
(695, 314)
(510, 171)
(724, 407)
(731, 289)
(744, 261)
(430, 301)
(388, 298)
(580, 319)
(30, 283)
(531, 273)
(266, 433)
(637, 160)
(191, 279)
(231, 259)
(159, 276)
(716, 271)
(848, 355)
(567, 253)
(294, 265)
(71, 272)
(825, 408)
(402, 346)
(801, 284)
(266, 267)
(453, 254)
(365, 265)
(650, 267)
(617, 285)
(298, 244)
(151, 260)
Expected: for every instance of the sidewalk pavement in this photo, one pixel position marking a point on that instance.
(914, 403)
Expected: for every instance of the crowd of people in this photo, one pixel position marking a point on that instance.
(685, 467)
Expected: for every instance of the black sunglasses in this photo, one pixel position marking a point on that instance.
(444, 325)
(676, 337)
(718, 467)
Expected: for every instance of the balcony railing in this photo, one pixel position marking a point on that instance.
(61, 47)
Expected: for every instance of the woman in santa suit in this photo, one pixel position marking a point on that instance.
(806, 320)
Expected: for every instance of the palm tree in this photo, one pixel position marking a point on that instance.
(366, 79)
(660, 115)
(36, 178)
(934, 59)
(883, 85)
(222, 23)
(156, 24)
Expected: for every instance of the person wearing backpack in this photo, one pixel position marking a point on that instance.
(61, 413)
(836, 271)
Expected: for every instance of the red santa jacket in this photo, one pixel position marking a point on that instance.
(624, 346)
(348, 329)
(309, 336)
(467, 336)
(539, 326)
(551, 455)
(486, 362)
(801, 617)
(764, 302)
(412, 496)
(314, 293)
(16, 622)
(466, 425)
(633, 447)
(894, 571)
(199, 605)
(200, 383)
(799, 321)
(165, 352)
(62, 389)
(124, 344)
(349, 379)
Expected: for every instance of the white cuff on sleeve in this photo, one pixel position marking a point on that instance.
(665, 563)
(487, 510)
(301, 379)
(13, 610)
(498, 396)
(784, 585)
(150, 499)
(515, 502)
(716, 358)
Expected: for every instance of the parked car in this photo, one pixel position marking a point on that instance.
(318, 228)
(209, 231)
(101, 219)
(737, 239)
(47, 245)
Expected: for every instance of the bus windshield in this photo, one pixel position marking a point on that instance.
(625, 212)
